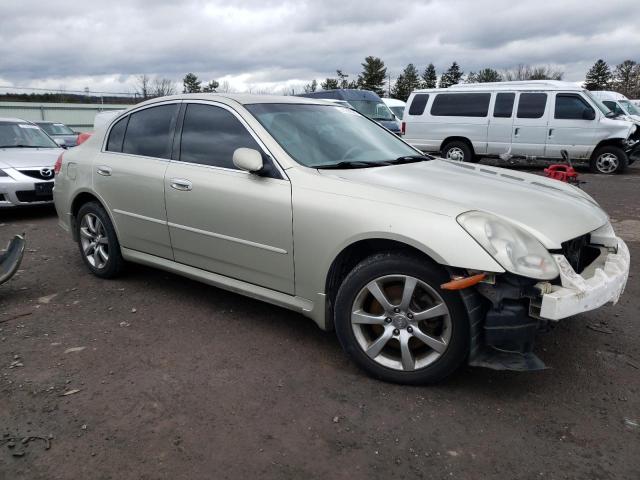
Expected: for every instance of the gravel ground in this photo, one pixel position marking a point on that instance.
(155, 376)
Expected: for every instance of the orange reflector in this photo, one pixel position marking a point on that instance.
(465, 282)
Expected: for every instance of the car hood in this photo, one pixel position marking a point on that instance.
(552, 211)
(28, 157)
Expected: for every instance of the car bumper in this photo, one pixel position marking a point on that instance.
(601, 282)
(18, 193)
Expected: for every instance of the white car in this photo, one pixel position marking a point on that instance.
(619, 104)
(531, 120)
(396, 106)
(27, 159)
(418, 263)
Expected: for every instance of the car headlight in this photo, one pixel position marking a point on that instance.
(516, 250)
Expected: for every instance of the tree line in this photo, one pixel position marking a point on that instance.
(624, 78)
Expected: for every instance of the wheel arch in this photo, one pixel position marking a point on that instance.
(457, 139)
(80, 199)
(608, 142)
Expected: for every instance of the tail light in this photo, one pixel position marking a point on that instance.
(83, 137)
(58, 166)
(403, 127)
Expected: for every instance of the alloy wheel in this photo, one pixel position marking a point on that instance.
(93, 238)
(401, 322)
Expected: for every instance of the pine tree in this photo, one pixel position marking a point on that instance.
(625, 78)
(429, 77)
(598, 77)
(407, 82)
(373, 75)
(452, 76)
(330, 84)
(191, 83)
(484, 76)
(211, 87)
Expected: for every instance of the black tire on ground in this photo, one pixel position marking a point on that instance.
(393, 263)
(458, 148)
(115, 263)
(609, 160)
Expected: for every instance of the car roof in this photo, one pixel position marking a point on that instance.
(230, 98)
(394, 102)
(343, 94)
(13, 120)
(516, 85)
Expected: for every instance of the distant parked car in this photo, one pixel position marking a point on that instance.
(366, 102)
(619, 104)
(59, 131)
(396, 106)
(27, 160)
(534, 119)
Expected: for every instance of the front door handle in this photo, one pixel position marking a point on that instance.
(551, 132)
(104, 171)
(181, 184)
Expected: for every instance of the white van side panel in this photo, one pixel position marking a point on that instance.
(576, 136)
(530, 134)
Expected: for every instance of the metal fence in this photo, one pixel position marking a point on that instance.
(78, 116)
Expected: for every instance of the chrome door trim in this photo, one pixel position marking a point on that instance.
(140, 217)
(228, 238)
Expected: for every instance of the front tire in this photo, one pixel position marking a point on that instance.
(609, 160)
(99, 246)
(459, 151)
(394, 321)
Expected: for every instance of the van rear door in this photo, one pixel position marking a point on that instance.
(530, 124)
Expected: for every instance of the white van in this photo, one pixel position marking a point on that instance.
(396, 106)
(531, 119)
(619, 104)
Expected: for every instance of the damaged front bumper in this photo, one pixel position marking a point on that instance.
(601, 282)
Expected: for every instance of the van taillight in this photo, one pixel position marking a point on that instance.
(403, 127)
(58, 166)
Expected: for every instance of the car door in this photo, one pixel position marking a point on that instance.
(530, 125)
(129, 177)
(501, 124)
(222, 219)
(571, 127)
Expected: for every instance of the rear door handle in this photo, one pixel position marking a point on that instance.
(181, 184)
(104, 171)
(516, 131)
(551, 132)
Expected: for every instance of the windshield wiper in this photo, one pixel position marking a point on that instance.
(350, 164)
(409, 159)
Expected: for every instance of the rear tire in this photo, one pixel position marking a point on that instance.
(609, 160)
(98, 242)
(458, 151)
(420, 340)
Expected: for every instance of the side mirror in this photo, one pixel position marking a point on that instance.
(588, 114)
(248, 159)
(61, 142)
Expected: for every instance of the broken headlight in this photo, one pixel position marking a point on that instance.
(516, 250)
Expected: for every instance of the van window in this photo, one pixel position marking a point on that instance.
(116, 135)
(150, 131)
(504, 105)
(461, 105)
(570, 107)
(418, 104)
(211, 134)
(532, 105)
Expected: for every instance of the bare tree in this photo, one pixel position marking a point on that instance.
(535, 72)
(225, 87)
(163, 87)
(143, 86)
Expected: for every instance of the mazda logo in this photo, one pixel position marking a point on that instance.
(46, 172)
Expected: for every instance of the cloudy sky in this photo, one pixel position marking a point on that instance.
(271, 44)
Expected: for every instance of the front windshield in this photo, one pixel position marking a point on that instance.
(601, 106)
(398, 112)
(372, 109)
(630, 107)
(319, 135)
(56, 129)
(614, 107)
(24, 135)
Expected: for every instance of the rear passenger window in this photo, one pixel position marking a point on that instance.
(150, 131)
(532, 105)
(504, 105)
(116, 135)
(570, 107)
(418, 104)
(461, 105)
(211, 134)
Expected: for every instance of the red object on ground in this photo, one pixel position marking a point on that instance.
(83, 137)
(564, 173)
